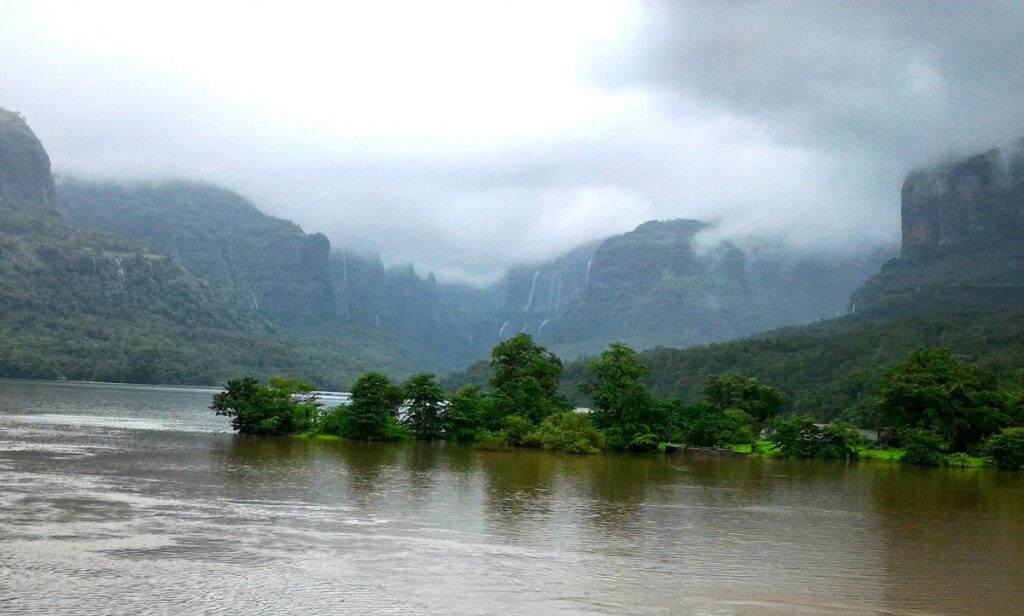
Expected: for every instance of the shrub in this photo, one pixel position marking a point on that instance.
(1005, 450)
(922, 447)
(279, 408)
(463, 417)
(569, 432)
(647, 441)
(712, 427)
(957, 460)
(801, 438)
(492, 441)
(515, 430)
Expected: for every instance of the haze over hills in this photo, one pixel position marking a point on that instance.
(182, 277)
(84, 304)
(653, 286)
(958, 284)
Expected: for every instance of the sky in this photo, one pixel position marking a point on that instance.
(470, 137)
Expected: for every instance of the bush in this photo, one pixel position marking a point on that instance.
(515, 429)
(464, 415)
(801, 438)
(922, 447)
(342, 421)
(268, 410)
(492, 441)
(647, 441)
(957, 460)
(709, 426)
(569, 432)
(1006, 449)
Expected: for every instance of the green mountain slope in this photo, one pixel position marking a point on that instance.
(91, 305)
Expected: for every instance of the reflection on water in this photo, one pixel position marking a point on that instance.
(130, 499)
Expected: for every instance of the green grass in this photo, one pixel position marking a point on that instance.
(887, 454)
(867, 452)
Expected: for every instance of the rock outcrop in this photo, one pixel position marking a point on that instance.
(262, 264)
(963, 240)
(25, 179)
(967, 205)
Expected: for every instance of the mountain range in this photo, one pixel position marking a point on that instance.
(188, 282)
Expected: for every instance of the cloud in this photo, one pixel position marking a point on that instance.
(467, 137)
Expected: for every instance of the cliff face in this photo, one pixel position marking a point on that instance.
(963, 240)
(965, 205)
(25, 179)
(262, 264)
(654, 287)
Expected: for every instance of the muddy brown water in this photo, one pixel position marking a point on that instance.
(130, 499)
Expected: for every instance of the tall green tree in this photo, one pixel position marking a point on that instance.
(464, 416)
(525, 381)
(622, 405)
(425, 402)
(747, 394)
(371, 414)
(933, 391)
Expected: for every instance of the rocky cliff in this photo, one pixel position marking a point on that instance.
(655, 287)
(262, 264)
(965, 205)
(963, 240)
(25, 179)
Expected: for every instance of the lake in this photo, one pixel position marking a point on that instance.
(122, 499)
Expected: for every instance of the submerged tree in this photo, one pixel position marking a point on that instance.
(371, 414)
(623, 407)
(425, 405)
(525, 382)
(280, 408)
(464, 417)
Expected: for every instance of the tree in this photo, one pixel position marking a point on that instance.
(620, 397)
(525, 382)
(425, 402)
(569, 432)
(1006, 449)
(371, 414)
(464, 416)
(733, 391)
(258, 409)
(933, 391)
(800, 437)
(922, 447)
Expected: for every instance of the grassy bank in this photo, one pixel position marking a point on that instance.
(867, 452)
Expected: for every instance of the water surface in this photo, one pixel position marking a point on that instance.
(129, 499)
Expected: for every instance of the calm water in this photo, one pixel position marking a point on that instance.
(124, 499)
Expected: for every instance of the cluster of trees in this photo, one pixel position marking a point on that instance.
(521, 407)
(932, 405)
(936, 406)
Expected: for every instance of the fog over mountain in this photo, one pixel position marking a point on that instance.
(470, 137)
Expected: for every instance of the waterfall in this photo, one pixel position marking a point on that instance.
(344, 270)
(502, 330)
(377, 317)
(587, 283)
(533, 287)
(541, 328)
(122, 277)
(255, 302)
(558, 294)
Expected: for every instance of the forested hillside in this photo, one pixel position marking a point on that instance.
(90, 305)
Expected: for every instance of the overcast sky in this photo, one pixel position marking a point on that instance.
(466, 137)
